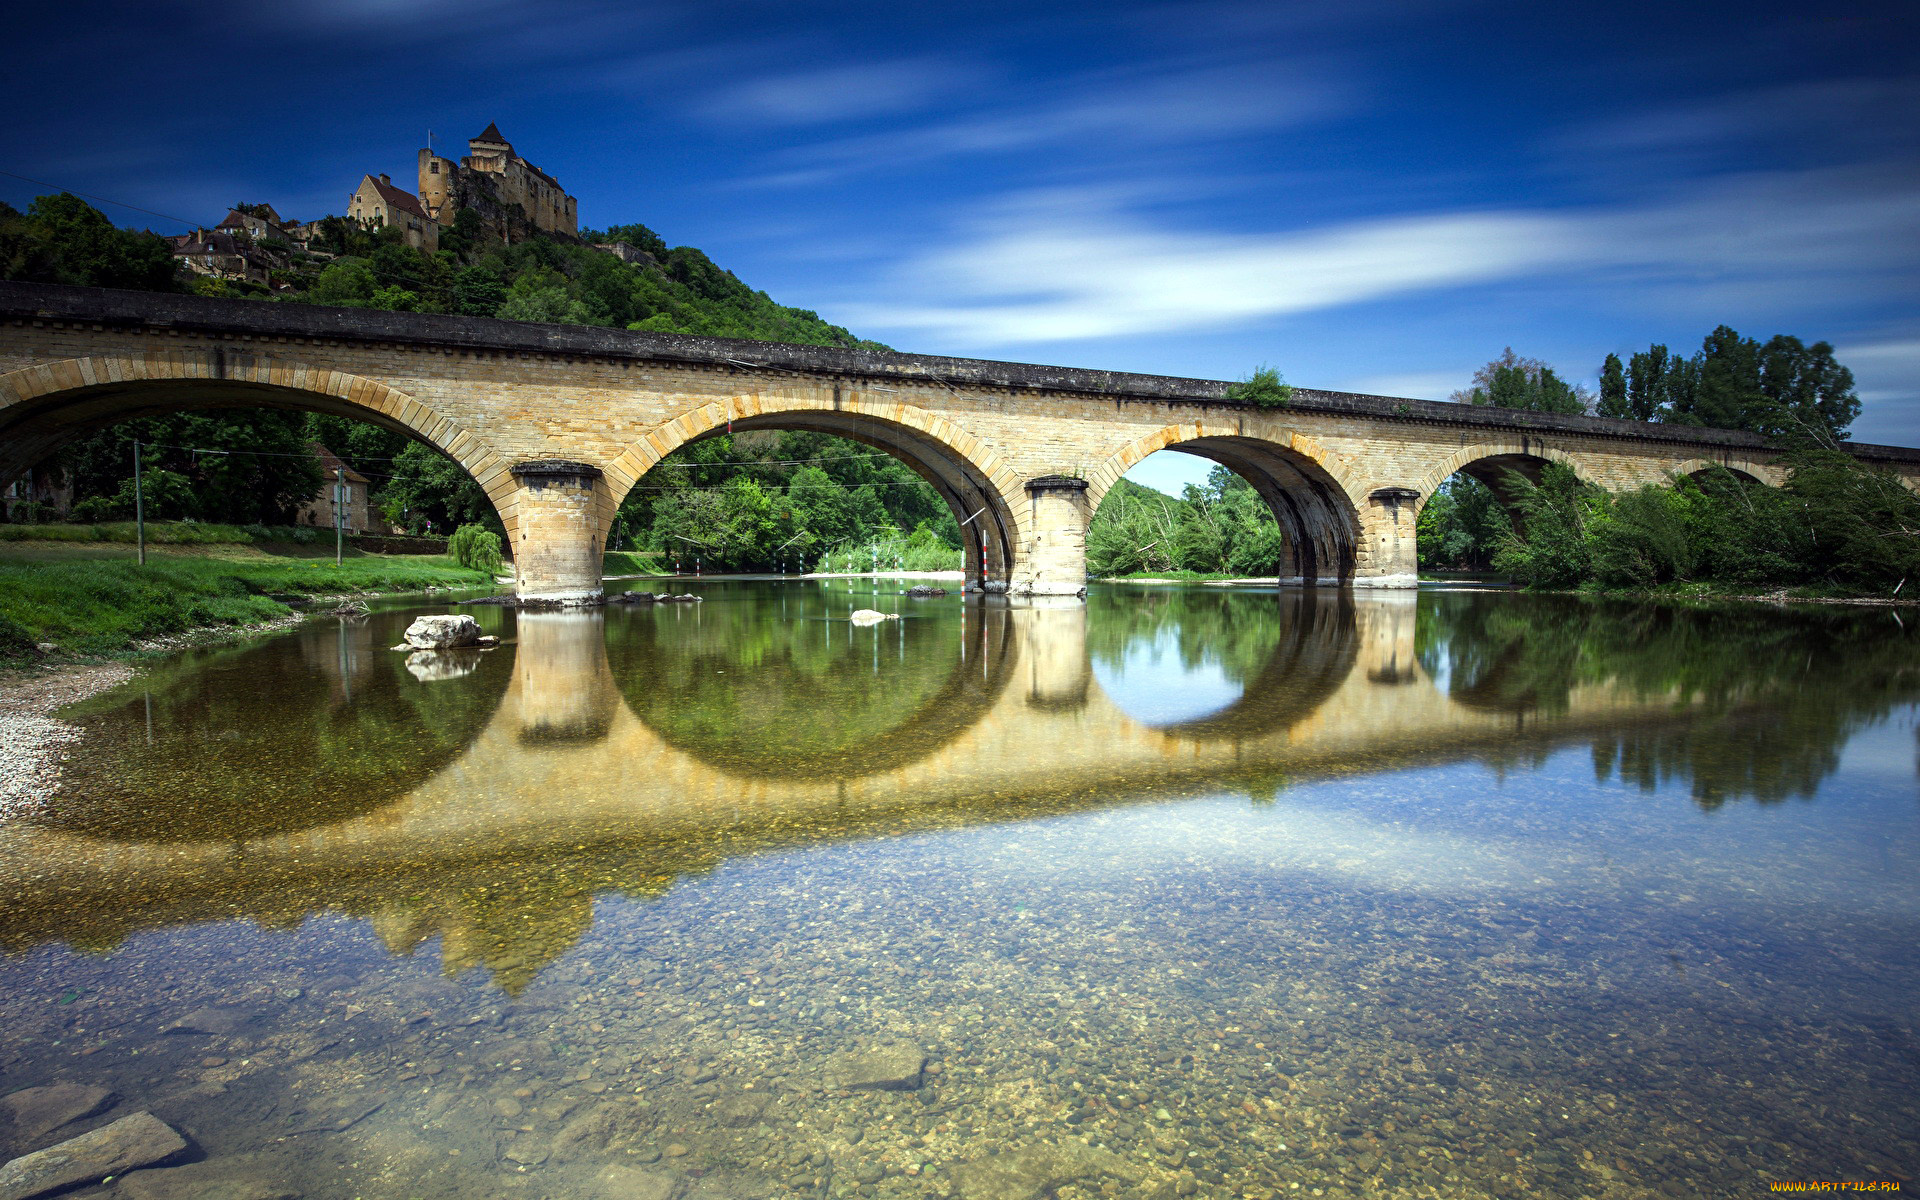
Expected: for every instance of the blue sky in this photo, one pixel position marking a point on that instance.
(1375, 196)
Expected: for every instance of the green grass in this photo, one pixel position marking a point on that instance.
(159, 533)
(103, 607)
(633, 562)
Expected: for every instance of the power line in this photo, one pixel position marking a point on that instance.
(102, 199)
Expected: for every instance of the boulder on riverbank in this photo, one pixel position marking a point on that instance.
(445, 632)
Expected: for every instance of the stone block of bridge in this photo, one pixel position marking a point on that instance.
(557, 547)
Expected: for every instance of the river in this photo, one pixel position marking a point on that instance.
(1176, 892)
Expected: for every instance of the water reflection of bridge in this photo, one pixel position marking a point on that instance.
(596, 772)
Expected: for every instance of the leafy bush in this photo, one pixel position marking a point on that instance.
(476, 548)
(1263, 389)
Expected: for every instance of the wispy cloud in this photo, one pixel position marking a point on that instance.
(1061, 269)
(1099, 114)
(839, 93)
(1073, 265)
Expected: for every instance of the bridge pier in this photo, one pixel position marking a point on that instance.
(556, 546)
(1388, 555)
(1055, 558)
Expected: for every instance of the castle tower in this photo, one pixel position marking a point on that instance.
(438, 186)
(491, 144)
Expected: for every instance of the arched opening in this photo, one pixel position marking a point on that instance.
(56, 406)
(1263, 509)
(786, 470)
(237, 465)
(1470, 507)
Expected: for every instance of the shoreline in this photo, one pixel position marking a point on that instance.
(33, 742)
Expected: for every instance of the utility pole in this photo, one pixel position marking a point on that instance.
(139, 505)
(339, 518)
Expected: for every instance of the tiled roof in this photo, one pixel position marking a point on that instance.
(492, 134)
(396, 198)
(330, 462)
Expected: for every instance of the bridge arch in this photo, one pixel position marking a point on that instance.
(1745, 468)
(1308, 488)
(42, 407)
(1489, 463)
(972, 477)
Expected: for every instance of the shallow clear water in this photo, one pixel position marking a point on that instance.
(1176, 892)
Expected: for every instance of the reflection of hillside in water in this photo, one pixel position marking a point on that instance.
(805, 695)
(242, 744)
(629, 748)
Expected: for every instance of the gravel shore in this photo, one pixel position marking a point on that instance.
(32, 743)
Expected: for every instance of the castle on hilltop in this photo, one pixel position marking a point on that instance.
(512, 197)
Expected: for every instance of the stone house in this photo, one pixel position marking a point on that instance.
(376, 203)
(352, 497)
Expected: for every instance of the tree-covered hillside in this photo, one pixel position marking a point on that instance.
(752, 501)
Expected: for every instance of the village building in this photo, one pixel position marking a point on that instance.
(224, 255)
(257, 226)
(44, 492)
(344, 490)
(377, 203)
(513, 197)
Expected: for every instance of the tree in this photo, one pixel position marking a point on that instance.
(1613, 391)
(1649, 381)
(431, 493)
(1784, 389)
(1524, 383)
(1727, 394)
(1809, 396)
(254, 466)
(346, 283)
(63, 239)
(1461, 526)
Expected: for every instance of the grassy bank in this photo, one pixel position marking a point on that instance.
(632, 562)
(90, 599)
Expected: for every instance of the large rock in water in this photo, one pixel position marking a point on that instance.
(1035, 1172)
(33, 1112)
(136, 1141)
(443, 632)
(868, 616)
(880, 1066)
(214, 1180)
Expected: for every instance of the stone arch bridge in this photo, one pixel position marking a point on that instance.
(558, 422)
